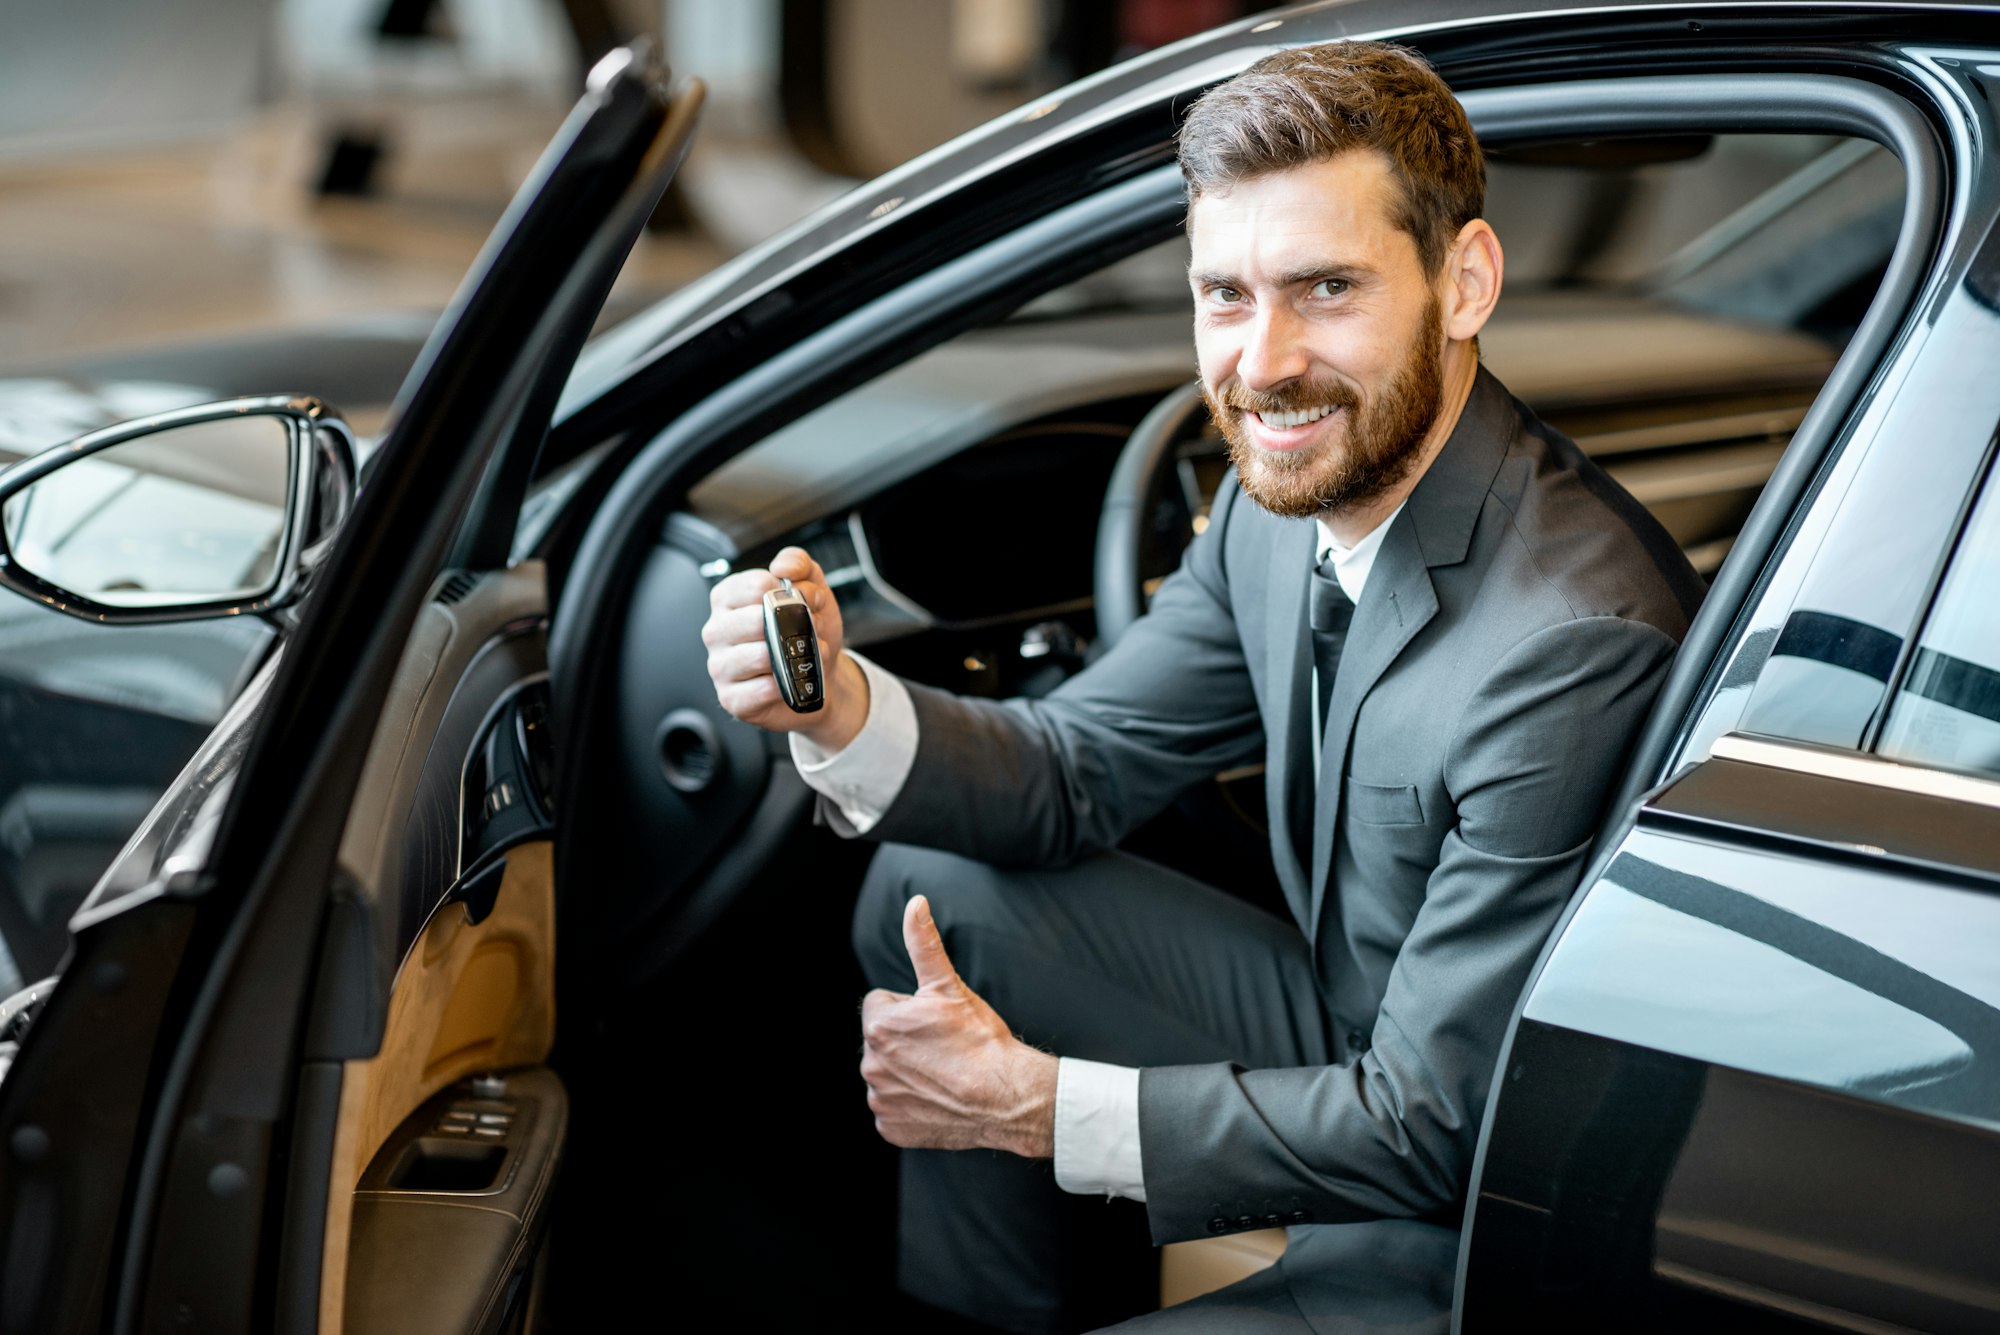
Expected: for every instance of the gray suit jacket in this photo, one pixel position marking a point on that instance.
(1520, 615)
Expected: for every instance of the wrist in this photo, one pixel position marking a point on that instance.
(846, 707)
(1029, 1126)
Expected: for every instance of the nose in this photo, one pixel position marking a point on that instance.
(1273, 351)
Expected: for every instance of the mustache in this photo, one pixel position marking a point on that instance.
(1289, 398)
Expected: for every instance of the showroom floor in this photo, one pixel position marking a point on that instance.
(224, 236)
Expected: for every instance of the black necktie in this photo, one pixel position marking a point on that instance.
(1328, 613)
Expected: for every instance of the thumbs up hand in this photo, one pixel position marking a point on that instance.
(943, 1070)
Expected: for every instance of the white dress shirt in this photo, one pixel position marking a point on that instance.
(1097, 1104)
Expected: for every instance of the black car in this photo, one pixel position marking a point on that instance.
(312, 1058)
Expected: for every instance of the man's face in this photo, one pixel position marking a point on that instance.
(1318, 333)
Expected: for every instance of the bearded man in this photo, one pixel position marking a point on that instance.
(1437, 624)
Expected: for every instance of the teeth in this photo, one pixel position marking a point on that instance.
(1286, 421)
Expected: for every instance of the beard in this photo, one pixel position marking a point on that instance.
(1374, 450)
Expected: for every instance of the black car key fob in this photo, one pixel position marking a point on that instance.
(794, 646)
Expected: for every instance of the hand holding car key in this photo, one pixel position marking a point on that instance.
(775, 652)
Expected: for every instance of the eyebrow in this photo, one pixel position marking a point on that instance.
(1309, 273)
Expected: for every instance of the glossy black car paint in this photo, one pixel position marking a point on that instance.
(1744, 1076)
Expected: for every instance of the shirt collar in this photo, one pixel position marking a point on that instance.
(1352, 564)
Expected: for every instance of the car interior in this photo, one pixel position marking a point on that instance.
(1674, 304)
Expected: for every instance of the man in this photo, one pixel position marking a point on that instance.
(1440, 627)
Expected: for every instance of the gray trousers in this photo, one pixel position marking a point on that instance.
(1114, 960)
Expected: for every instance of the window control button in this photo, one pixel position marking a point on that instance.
(493, 1131)
(454, 1128)
(495, 1119)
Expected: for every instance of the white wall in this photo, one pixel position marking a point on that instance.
(77, 75)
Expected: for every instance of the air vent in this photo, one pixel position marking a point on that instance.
(456, 586)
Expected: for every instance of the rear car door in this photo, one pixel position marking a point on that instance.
(1752, 1085)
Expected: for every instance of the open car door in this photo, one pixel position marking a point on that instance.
(232, 1047)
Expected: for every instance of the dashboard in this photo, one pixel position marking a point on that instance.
(954, 501)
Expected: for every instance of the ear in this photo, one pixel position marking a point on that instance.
(1470, 283)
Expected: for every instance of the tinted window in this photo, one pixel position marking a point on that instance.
(1948, 710)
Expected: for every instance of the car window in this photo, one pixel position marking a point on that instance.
(1786, 230)
(1947, 712)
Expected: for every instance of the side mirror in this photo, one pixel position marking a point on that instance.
(216, 510)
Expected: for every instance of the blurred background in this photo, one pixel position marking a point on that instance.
(231, 194)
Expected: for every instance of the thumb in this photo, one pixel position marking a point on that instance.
(920, 938)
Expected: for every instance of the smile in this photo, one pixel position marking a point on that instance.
(1296, 418)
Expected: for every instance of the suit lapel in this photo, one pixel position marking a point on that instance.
(1434, 529)
(1398, 602)
(1289, 669)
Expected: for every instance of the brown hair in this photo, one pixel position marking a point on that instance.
(1312, 103)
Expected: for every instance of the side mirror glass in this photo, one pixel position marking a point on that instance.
(204, 512)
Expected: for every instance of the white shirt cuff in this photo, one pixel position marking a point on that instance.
(1097, 1130)
(863, 777)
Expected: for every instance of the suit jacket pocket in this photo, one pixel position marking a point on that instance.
(1383, 803)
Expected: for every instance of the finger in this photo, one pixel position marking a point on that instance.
(740, 662)
(750, 700)
(926, 947)
(745, 588)
(795, 564)
(736, 625)
(873, 1007)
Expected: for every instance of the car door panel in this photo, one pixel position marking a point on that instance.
(1759, 1073)
(472, 985)
(451, 1207)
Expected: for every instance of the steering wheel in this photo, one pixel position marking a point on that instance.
(1149, 455)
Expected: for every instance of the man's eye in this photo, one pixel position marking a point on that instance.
(1329, 287)
(1226, 295)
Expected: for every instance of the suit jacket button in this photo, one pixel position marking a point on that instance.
(1273, 1220)
(1301, 1217)
(1246, 1221)
(1218, 1225)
